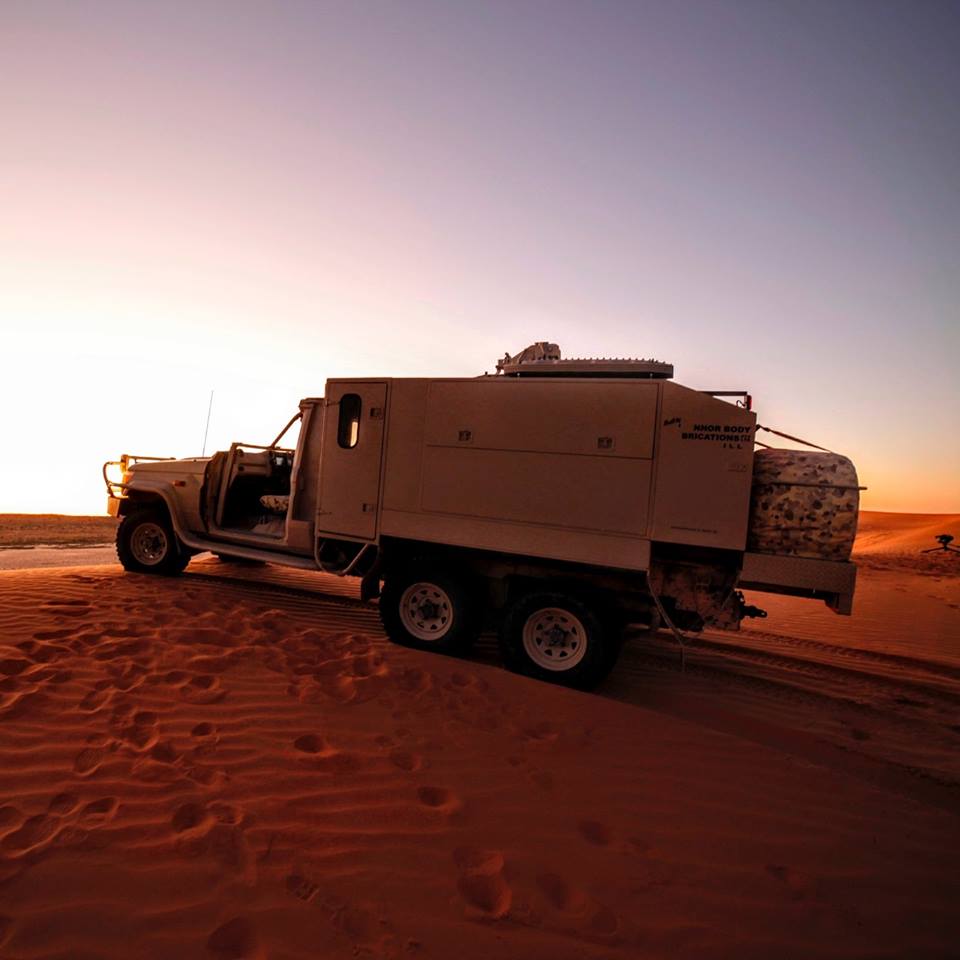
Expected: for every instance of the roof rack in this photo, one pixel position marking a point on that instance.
(543, 359)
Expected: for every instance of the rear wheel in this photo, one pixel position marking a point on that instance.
(429, 609)
(559, 638)
(146, 543)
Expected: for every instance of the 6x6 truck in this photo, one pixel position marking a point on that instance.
(556, 501)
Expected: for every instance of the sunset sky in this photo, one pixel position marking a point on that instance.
(253, 197)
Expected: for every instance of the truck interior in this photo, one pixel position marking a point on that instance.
(247, 489)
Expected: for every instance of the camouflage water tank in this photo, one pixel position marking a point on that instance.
(803, 504)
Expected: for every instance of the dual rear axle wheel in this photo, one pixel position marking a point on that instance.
(546, 634)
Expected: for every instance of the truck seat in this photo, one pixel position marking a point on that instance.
(275, 503)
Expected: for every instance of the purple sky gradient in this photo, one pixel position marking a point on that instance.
(255, 196)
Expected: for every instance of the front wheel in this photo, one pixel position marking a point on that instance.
(429, 609)
(559, 638)
(146, 543)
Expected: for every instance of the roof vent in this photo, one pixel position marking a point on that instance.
(543, 360)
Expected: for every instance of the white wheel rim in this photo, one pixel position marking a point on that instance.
(426, 611)
(149, 544)
(554, 639)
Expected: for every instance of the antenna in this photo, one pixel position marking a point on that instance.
(206, 429)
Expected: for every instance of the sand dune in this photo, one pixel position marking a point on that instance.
(903, 541)
(236, 764)
(902, 532)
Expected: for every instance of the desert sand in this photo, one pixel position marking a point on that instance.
(235, 763)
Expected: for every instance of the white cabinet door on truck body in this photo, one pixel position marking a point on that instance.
(347, 505)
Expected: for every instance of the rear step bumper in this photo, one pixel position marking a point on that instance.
(829, 580)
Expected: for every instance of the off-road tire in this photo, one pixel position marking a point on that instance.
(146, 543)
(452, 625)
(587, 653)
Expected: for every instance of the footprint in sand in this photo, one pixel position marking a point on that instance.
(59, 634)
(310, 743)
(94, 700)
(68, 608)
(88, 760)
(638, 845)
(98, 812)
(575, 905)
(208, 777)
(414, 682)
(487, 722)
(142, 732)
(195, 817)
(543, 732)
(321, 756)
(14, 666)
(10, 819)
(36, 833)
(368, 663)
(365, 928)
(479, 862)
(798, 884)
(406, 760)
(226, 813)
(214, 830)
(337, 686)
(338, 762)
(204, 688)
(126, 677)
(539, 778)
(63, 804)
(206, 738)
(438, 798)
(190, 817)
(482, 884)
(301, 887)
(234, 940)
(164, 752)
(562, 895)
(594, 832)
(604, 923)
(54, 677)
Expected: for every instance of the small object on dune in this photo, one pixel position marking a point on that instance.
(945, 540)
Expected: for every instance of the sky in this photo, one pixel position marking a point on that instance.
(249, 198)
